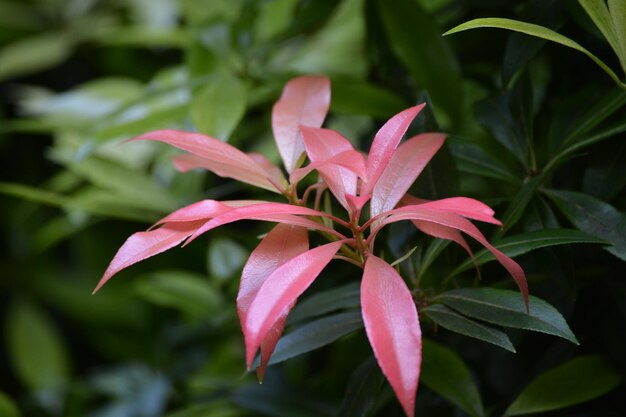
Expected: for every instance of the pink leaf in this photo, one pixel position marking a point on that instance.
(385, 143)
(283, 243)
(272, 170)
(214, 155)
(455, 221)
(280, 290)
(443, 232)
(142, 245)
(406, 164)
(463, 206)
(304, 102)
(278, 212)
(393, 328)
(204, 210)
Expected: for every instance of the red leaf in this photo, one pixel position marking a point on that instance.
(283, 243)
(304, 102)
(142, 245)
(406, 164)
(280, 290)
(213, 154)
(393, 328)
(385, 143)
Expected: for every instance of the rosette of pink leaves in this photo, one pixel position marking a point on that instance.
(283, 265)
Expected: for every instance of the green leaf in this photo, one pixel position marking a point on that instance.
(455, 322)
(416, 40)
(617, 9)
(534, 30)
(217, 108)
(363, 389)
(35, 348)
(357, 98)
(472, 159)
(444, 372)
(8, 407)
(346, 296)
(274, 17)
(516, 245)
(577, 381)
(595, 217)
(506, 308)
(599, 13)
(188, 292)
(517, 206)
(225, 258)
(33, 54)
(213, 409)
(314, 335)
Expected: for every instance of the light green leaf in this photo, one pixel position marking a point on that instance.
(346, 296)
(444, 372)
(33, 54)
(599, 13)
(225, 258)
(217, 108)
(36, 350)
(188, 292)
(516, 245)
(534, 30)
(274, 17)
(314, 335)
(455, 322)
(577, 381)
(617, 9)
(595, 217)
(8, 407)
(506, 308)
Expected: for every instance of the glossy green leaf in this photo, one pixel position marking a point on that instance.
(577, 381)
(455, 322)
(595, 217)
(188, 292)
(363, 389)
(33, 54)
(516, 245)
(344, 297)
(506, 308)
(473, 159)
(36, 349)
(8, 407)
(444, 372)
(217, 108)
(314, 335)
(534, 30)
(416, 40)
(617, 9)
(225, 258)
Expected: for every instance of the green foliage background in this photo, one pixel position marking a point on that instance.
(536, 130)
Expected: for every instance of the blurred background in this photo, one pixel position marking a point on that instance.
(536, 130)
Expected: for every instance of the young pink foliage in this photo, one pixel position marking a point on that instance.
(283, 243)
(393, 328)
(385, 143)
(280, 290)
(203, 210)
(213, 154)
(443, 232)
(142, 245)
(304, 102)
(405, 165)
(463, 206)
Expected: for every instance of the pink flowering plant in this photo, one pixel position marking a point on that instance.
(371, 188)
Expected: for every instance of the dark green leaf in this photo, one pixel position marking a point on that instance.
(36, 349)
(595, 217)
(431, 63)
(453, 321)
(351, 97)
(506, 308)
(517, 206)
(516, 245)
(363, 389)
(444, 372)
(605, 176)
(212, 409)
(344, 297)
(8, 407)
(577, 381)
(472, 159)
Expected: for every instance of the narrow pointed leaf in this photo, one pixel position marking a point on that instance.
(444, 372)
(577, 381)
(385, 143)
(534, 30)
(443, 232)
(214, 155)
(462, 206)
(304, 102)
(344, 297)
(455, 322)
(143, 245)
(283, 243)
(617, 9)
(504, 308)
(406, 164)
(393, 328)
(599, 13)
(280, 290)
